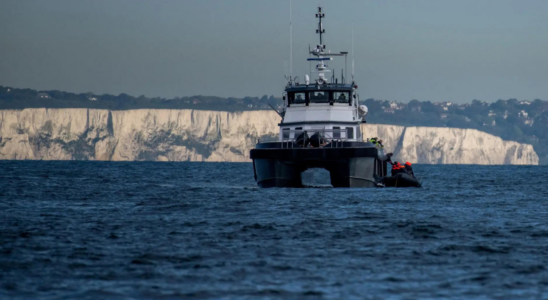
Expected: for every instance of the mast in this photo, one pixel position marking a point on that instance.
(320, 29)
(319, 52)
(321, 67)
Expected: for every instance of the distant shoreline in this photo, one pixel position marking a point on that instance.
(514, 120)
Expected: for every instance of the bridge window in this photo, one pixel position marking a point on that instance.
(341, 97)
(350, 133)
(319, 97)
(285, 133)
(336, 132)
(297, 98)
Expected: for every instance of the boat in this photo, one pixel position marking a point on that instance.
(400, 180)
(320, 128)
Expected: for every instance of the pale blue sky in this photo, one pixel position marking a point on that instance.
(422, 49)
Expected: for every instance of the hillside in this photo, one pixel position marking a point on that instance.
(513, 120)
(198, 135)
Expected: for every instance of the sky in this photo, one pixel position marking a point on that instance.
(437, 50)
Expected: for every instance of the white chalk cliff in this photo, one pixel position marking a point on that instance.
(197, 135)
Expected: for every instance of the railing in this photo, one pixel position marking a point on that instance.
(329, 84)
(332, 138)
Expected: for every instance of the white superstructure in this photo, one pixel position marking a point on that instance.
(324, 105)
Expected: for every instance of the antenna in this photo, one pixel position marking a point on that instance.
(345, 68)
(352, 52)
(279, 114)
(309, 62)
(290, 41)
(285, 68)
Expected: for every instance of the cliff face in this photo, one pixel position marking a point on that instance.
(428, 145)
(164, 135)
(189, 135)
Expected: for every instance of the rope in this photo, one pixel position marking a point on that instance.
(362, 179)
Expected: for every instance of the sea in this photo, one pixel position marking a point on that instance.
(193, 230)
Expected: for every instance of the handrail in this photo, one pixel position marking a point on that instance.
(334, 138)
(328, 135)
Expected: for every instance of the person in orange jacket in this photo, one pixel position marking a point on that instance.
(397, 168)
(409, 169)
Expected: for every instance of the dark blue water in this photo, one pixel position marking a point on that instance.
(102, 230)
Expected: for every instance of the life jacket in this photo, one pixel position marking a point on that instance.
(398, 168)
(409, 169)
(395, 170)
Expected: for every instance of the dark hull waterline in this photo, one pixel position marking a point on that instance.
(353, 164)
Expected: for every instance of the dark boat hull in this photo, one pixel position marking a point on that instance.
(349, 165)
(401, 180)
